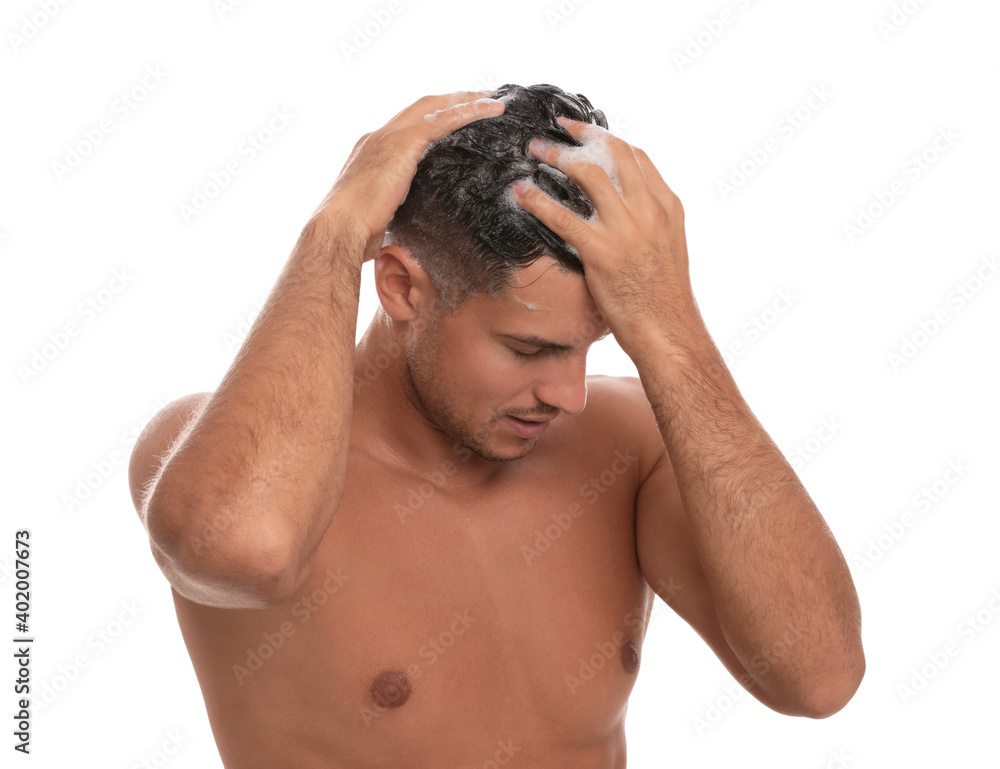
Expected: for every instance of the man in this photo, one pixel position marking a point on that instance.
(424, 551)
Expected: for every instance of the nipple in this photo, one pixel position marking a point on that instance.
(390, 689)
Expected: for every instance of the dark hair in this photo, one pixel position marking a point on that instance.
(458, 220)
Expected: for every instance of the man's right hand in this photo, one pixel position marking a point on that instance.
(376, 177)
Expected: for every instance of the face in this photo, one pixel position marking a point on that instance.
(474, 370)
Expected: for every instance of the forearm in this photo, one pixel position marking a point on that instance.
(781, 588)
(260, 472)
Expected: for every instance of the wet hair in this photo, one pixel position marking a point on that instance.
(458, 220)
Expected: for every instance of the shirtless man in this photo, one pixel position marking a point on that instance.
(423, 551)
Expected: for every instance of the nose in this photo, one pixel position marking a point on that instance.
(564, 385)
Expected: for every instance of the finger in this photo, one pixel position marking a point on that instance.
(443, 121)
(460, 97)
(593, 172)
(661, 190)
(429, 104)
(563, 222)
(613, 151)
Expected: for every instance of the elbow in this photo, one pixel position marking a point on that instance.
(832, 695)
(219, 563)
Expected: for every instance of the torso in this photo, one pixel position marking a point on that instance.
(448, 634)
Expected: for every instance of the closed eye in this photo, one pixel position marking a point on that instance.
(520, 354)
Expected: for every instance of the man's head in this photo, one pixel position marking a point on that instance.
(490, 307)
(458, 219)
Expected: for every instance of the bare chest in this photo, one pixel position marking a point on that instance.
(518, 615)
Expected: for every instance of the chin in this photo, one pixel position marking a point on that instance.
(493, 451)
(492, 454)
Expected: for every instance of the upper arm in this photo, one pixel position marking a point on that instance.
(155, 442)
(667, 555)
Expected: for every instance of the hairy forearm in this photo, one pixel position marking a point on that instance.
(259, 474)
(780, 585)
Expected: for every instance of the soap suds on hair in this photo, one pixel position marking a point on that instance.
(595, 150)
(458, 214)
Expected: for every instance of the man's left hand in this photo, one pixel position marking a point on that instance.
(634, 251)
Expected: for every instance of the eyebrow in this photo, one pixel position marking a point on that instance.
(537, 341)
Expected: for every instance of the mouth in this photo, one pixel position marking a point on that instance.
(527, 428)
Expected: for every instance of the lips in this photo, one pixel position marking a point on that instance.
(527, 428)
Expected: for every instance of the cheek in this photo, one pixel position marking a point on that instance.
(492, 377)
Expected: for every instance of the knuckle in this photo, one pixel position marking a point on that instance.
(566, 222)
(590, 172)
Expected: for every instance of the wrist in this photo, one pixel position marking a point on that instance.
(335, 237)
(676, 333)
(675, 362)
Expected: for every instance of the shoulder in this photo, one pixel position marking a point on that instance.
(619, 407)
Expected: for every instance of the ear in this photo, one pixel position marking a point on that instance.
(404, 288)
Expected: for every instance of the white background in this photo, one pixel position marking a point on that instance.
(894, 426)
